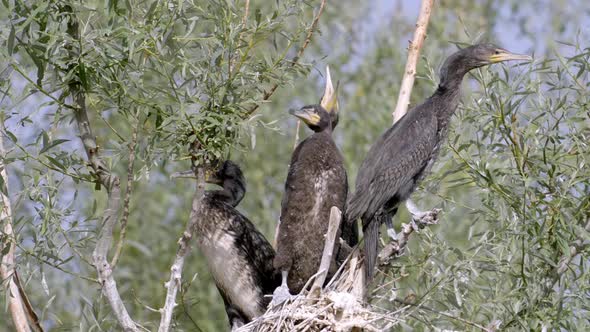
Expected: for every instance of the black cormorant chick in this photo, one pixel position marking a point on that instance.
(402, 156)
(239, 257)
(316, 181)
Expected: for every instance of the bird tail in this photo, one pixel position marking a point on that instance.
(371, 238)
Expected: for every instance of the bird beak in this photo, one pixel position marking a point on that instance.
(210, 177)
(504, 55)
(330, 99)
(306, 114)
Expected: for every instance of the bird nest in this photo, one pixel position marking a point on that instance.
(336, 307)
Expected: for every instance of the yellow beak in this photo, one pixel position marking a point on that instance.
(307, 115)
(504, 55)
(330, 99)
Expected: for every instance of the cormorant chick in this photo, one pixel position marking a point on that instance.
(238, 256)
(316, 181)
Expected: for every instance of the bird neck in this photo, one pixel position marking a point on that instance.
(232, 193)
(449, 89)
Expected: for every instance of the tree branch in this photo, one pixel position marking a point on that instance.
(333, 227)
(175, 281)
(16, 304)
(295, 60)
(105, 178)
(396, 247)
(405, 91)
(129, 189)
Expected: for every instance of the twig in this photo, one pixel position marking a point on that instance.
(396, 248)
(333, 227)
(246, 11)
(295, 60)
(175, 281)
(296, 141)
(107, 179)
(7, 265)
(405, 91)
(125, 216)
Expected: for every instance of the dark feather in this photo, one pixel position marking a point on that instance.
(238, 256)
(316, 181)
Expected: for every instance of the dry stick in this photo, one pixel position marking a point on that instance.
(333, 227)
(413, 53)
(125, 216)
(183, 248)
(310, 32)
(395, 248)
(7, 271)
(297, 134)
(246, 11)
(106, 179)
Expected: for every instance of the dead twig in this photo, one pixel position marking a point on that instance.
(395, 248)
(327, 255)
(175, 281)
(125, 216)
(405, 91)
(16, 303)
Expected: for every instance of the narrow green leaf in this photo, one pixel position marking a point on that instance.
(10, 42)
(11, 136)
(56, 163)
(47, 146)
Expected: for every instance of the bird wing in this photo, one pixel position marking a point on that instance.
(395, 159)
(258, 251)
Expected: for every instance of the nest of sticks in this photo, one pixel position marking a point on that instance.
(340, 305)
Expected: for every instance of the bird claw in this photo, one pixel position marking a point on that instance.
(392, 234)
(280, 295)
(423, 219)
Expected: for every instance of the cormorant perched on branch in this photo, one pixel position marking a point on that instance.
(316, 181)
(238, 256)
(402, 156)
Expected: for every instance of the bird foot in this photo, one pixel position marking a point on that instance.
(421, 219)
(392, 234)
(424, 219)
(280, 295)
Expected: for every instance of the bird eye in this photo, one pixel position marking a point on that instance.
(497, 52)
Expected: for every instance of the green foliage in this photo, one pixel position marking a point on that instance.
(512, 182)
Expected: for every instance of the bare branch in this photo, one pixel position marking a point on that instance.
(296, 140)
(413, 53)
(295, 60)
(16, 304)
(175, 281)
(396, 248)
(105, 178)
(333, 227)
(246, 12)
(128, 191)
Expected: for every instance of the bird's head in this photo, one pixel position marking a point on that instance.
(476, 56)
(484, 54)
(228, 170)
(314, 116)
(329, 100)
